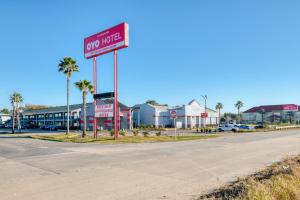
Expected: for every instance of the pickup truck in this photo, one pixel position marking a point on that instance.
(228, 127)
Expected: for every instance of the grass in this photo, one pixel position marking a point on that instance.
(281, 181)
(76, 138)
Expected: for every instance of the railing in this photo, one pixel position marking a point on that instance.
(286, 127)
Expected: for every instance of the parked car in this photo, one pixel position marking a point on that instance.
(259, 125)
(246, 127)
(52, 128)
(228, 127)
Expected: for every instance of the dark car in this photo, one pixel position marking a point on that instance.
(259, 125)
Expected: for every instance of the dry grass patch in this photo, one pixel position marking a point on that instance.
(280, 181)
(76, 138)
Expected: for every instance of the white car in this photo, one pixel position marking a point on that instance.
(228, 127)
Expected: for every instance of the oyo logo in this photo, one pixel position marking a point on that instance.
(93, 45)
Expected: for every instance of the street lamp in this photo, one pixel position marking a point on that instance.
(262, 116)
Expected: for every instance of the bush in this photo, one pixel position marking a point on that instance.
(122, 132)
(112, 132)
(158, 133)
(146, 134)
(135, 132)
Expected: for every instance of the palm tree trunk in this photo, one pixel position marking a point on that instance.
(239, 115)
(219, 117)
(68, 109)
(84, 113)
(13, 120)
(18, 118)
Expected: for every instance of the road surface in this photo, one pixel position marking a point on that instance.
(37, 170)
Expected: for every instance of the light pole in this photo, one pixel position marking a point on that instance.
(262, 116)
(205, 99)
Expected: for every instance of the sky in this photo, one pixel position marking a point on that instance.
(179, 50)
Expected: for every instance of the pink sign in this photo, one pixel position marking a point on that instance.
(106, 41)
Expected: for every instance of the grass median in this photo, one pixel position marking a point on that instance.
(281, 181)
(76, 138)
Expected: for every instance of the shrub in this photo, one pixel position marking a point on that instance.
(158, 133)
(135, 132)
(146, 134)
(122, 132)
(112, 132)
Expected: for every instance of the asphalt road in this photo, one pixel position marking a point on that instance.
(36, 170)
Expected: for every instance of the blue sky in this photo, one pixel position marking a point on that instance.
(230, 50)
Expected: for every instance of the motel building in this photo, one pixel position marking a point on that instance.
(272, 113)
(188, 115)
(57, 116)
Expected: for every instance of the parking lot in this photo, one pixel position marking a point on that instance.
(36, 169)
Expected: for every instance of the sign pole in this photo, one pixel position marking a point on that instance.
(116, 116)
(95, 100)
(175, 128)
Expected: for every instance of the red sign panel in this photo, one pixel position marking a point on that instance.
(173, 114)
(291, 107)
(204, 115)
(106, 41)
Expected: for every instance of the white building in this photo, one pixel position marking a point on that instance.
(188, 115)
(4, 118)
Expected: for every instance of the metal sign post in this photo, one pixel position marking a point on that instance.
(95, 100)
(109, 40)
(116, 113)
(174, 116)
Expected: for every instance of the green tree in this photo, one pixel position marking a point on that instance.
(84, 86)
(154, 103)
(239, 104)
(5, 111)
(219, 106)
(15, 100)
(68, 66)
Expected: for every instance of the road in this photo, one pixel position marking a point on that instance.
(37, 170)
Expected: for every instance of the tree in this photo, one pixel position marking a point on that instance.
(239, 104)
(34, 107)
(5, 111)
(219, 106)
(84, 86)
(154, 103)
(16, 99)
(68, 66)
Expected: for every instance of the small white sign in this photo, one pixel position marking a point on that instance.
(104, 110)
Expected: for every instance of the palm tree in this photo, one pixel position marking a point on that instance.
(68, 66)
(84, 86)
(239, 104)
(15, 99)
(219, 106)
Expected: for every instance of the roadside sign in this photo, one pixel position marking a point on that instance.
(104, 110)
(204, 115)
(173, 114)
(106, 41)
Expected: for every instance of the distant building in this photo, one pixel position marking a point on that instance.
(272, 114)
(4, 118)
(188, 115)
